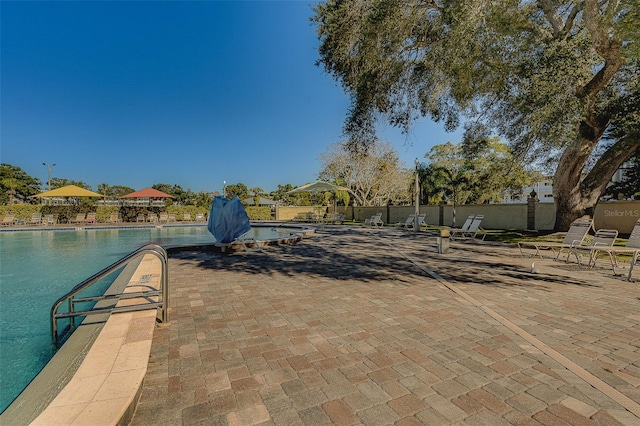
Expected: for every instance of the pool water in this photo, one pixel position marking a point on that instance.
(36, 268)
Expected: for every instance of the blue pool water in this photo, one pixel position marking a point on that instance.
(38, 267)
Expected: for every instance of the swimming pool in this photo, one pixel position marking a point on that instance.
(37, 267)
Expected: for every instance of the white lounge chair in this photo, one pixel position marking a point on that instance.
(575, 236)
(465, 226)
(603, 238)
(408, 222)
(632, 248)
(472, 231)
(36, 219)
(375, 220)
(115, 218)
(8, 220)
(79, 218)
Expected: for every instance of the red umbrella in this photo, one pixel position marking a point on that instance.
(148, 193)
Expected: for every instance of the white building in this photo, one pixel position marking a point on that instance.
(543, 188)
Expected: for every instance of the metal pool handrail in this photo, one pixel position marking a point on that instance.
(70, 298)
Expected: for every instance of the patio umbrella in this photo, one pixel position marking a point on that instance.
(69, 191)
(320, 186)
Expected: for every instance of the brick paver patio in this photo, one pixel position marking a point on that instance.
(354, 326)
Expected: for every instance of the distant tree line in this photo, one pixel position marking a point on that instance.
(473, 171)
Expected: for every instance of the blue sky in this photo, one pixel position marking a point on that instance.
(188, 93)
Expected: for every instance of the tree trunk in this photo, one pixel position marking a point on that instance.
(571, 202)
(576, 197)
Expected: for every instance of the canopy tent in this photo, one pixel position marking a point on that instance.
(69, 191)
(148, 193)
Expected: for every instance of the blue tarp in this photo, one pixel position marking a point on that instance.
(228, 220)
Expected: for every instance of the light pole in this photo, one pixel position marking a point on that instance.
(48, 166)
(224, 188)
(416, 224)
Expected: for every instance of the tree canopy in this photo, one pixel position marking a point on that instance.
(552, 77)
(374, 176)
(16, 184)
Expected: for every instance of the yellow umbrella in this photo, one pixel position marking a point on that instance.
(69, 191)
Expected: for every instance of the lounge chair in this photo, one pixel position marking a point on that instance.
(200, 217)
(408, 222)
(50, 219)
(152, 217)
(471, 232)
(141, 218)
(36, 219)
(115, 218)
(186, 217)
(164, 218)
(575, 236)
(632, 248)
(78, 219)
(602, 238)
(91, 218)
(375, 220)
(465, 225)
(171, 218)
(8, 220)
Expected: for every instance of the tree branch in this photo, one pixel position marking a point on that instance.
(608, 163)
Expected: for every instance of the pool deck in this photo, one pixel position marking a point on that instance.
(361, 326)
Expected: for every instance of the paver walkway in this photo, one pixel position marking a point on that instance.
(354, 326)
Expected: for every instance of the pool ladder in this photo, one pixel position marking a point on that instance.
(71, 299)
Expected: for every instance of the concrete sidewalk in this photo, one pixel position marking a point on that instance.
(360, 326)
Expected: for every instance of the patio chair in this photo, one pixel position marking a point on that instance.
(171, 218)
(79, 218)
(91, 218)
(575, 236)
(164, 218)
(141, 218)
(471, 232)
(152, 218)
(375, 220)
(602, 238)
(186, 217)
(632, 248)
(36, 219)
(200, 217)
(8, 220)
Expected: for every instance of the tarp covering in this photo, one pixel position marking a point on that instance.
(228, 220)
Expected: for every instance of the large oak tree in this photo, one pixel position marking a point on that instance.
(552, 77)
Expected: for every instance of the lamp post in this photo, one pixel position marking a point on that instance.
(416, 225)
(224, 188)
(48, 166)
